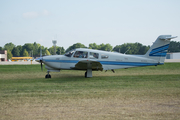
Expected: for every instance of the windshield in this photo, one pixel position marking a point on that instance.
(69, 54)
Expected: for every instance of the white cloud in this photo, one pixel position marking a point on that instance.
(30, 15)
(36, 14)
(45, 13)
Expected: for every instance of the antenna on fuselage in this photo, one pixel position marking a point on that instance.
(127, 50)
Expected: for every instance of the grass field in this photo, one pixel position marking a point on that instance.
(136, 93)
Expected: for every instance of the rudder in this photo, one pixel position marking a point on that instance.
(159, 48)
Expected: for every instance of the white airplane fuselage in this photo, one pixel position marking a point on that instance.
(94, 60)
(114, 60)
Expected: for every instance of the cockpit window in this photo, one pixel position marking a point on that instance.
(104, 56)
(69, 54)
(94, 55)
(81, 54)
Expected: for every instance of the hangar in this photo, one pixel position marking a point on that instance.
(3, 55)
(173, 55)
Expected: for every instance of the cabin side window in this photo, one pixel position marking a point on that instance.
(69, 54)
(104, 56)
(80, 54)
(94, 55)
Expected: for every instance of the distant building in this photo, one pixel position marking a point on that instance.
(173, 55)
(3, 55)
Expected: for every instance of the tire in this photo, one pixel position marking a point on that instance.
(85, 74)
(48, 76)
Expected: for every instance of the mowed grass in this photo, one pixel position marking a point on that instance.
(135, 93)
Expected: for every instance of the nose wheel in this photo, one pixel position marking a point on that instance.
(48, 75)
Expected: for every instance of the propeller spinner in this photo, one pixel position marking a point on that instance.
(41, 61)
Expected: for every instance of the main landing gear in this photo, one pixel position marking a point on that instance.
(88, 73)
(48, 75)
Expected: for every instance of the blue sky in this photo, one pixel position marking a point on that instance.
(87, 21)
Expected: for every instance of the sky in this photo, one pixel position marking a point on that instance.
(87, 21)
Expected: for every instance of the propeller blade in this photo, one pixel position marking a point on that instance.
(40, 59)
(41, 64)
(41, 67)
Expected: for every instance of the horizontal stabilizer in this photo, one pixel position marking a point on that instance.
(167, 38)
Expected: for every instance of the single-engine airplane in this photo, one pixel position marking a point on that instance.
(93, 60)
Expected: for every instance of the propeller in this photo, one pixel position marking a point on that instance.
(41, 65)
(40, 59)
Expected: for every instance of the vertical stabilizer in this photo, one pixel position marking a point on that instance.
(159, 48)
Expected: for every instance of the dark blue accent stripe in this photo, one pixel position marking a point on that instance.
(160, 51)
(159, 54)
(107, 62)
(161, 47)
(126, 63)
(63, 61)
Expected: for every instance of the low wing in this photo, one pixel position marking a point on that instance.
(88, 64)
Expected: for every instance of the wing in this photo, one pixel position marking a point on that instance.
(88, 64)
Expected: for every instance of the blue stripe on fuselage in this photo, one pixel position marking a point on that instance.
(107, 62)
(126, 63)
(63, 61)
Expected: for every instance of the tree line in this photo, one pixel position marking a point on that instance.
(33, 49)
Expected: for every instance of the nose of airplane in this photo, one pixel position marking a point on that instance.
(39, 59)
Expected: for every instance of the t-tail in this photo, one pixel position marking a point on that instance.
(159, 48)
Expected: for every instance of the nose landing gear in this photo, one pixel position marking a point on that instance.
(48, 75)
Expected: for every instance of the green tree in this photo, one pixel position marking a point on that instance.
(1, 48)
(131, 48)
(15, 51)
(174, 46)
(123, 48)
(74, 46)
(25, 53)
(143, 50)
(28, 46)
(19, 47)
(105, 47)
(51, 50)
(9, 46)
(117, 48)
(93, 46)
(47, 52)
(36, 48)
(60, 50)
(43, 49)
(9, 54)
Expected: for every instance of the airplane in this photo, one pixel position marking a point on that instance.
(96, 60)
